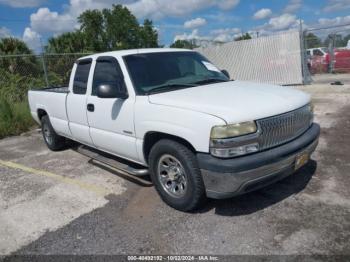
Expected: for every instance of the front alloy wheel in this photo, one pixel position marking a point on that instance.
(176, 175)
(172, 176)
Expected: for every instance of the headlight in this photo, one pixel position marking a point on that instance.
(235, 151)
(234, 130)
(226, 141)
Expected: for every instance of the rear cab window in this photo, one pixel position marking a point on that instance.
(81, 76)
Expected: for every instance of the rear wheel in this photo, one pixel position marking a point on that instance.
(176, 176)
(53, 141)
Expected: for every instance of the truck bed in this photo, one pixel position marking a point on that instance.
(52, 100)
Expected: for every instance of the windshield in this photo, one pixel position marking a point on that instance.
(168, 71)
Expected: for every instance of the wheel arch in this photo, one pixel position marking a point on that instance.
(152, 137)
(41, 112)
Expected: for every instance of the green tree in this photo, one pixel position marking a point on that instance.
(337, 40)
(13, 46)
(92, 28)
(184, 44)
(106, 30)
(23, 64)
(245, 36)
(59, 66)
(148, 35)
(72, 42)
(312, 41)
(122, 31)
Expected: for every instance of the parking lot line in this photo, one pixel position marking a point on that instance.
(89, 187)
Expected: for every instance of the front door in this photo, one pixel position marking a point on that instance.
(112, 119)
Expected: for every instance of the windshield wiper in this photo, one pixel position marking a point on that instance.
(168, 87)
(210, 80)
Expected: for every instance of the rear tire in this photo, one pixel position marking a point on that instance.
(176, 175)
(53, 141)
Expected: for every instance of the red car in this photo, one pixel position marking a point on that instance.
(319, 60)
(342, 60)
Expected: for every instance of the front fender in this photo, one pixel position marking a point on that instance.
(192, 126)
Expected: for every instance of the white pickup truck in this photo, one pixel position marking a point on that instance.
(173, 114)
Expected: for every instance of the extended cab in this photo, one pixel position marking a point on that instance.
(173, 114)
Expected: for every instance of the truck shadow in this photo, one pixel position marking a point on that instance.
(258, 200)
(117, 106)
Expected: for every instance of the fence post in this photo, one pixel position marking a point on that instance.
(43, 63)
(331, 47)
(304, 68)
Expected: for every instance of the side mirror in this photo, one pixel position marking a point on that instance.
(226, 73)
(111, 91)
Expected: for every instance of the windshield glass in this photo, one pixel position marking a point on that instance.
(167, 71)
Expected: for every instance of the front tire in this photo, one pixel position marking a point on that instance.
(176, 175)
(53, 141)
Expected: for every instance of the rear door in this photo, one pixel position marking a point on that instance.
(112, 119)
(76, 102)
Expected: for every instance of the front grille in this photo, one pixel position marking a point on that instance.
(280, 129)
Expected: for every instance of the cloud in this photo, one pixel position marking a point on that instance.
(223, 38)
(262, 13)
(225, 34)
(293, 5)
(217, 35)
(157, 9)
(219, 31)
(282, 22)
(22, 3)
(32, 39)
(336, 5)
(44, 21)
(4, 32)
(223, 17)
(195, 23)
(192, 36)
(340, 20)
(228, 4)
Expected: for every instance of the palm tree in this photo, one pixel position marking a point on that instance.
(17, 58)
(13, 46)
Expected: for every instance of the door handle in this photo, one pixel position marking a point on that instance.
(91, 107)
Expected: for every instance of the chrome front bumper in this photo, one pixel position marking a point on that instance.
(254, 171)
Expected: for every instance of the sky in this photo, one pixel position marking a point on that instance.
(34, 21)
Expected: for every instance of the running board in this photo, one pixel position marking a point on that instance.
(112, 161)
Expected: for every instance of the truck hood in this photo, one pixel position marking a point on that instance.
(235, 101)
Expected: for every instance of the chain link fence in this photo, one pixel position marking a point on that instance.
(272, 59)
(19, 73)
(327, 49)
